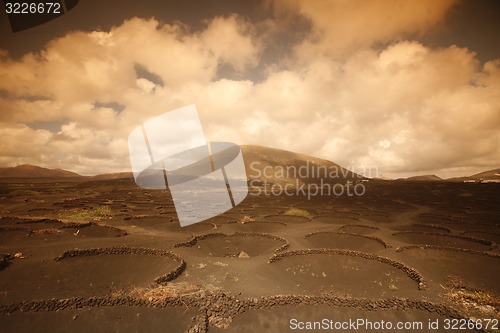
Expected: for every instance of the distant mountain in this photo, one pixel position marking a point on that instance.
(425, 178)
(262, 164)
(33, 171)
(490, 175)
(282, 166)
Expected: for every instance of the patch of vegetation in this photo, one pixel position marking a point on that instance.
(51, 231)
(102, 211)
(94, 213)
(58, 190)
(298, 212)
(24, 193)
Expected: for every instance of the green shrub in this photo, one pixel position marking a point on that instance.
(101, 211)
(95, 213)
(298, 212)
(24, 192)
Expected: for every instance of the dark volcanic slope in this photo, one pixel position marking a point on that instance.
(403, 251)
(285, 166)
(105, 255)
(33, 171)
(424, 178)
(485, 175)
(495, 173)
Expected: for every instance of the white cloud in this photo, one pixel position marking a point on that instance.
(227, 39)
(145, 85)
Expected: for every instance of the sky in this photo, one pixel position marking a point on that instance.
(406, 87)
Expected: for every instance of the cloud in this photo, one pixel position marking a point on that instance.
(340, 27)
(356, 88)
(405, 109)
(225, 38)
(72, 74)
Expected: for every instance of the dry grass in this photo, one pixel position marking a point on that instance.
(245, 219)
(393, 287)
(50, 231)
(161, 293)
(476, 303)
